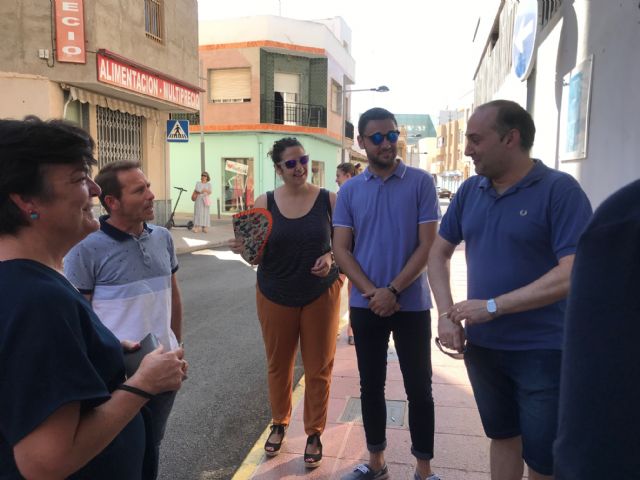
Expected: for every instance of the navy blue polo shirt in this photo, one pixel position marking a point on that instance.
(384, 216)
(513, 239)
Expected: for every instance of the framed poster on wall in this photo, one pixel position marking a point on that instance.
(574, 112)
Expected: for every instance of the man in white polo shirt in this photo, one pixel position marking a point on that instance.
(127, 271)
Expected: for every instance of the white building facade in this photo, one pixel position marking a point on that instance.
(581, 87)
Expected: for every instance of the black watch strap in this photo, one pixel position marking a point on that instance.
(135, 391)
(393, 289)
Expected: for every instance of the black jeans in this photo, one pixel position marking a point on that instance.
(412, 335)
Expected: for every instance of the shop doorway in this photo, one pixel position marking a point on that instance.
(237, 184)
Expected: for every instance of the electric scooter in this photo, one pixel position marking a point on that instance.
(171, 223)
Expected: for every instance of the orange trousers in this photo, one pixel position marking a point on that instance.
(315, 325)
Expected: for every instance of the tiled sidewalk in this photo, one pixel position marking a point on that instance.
(461, 449)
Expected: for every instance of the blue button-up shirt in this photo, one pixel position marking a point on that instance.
(384, 216)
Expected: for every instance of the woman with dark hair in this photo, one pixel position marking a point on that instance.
(201, 217)
(297, 296)
(66, 410)
(347, 170)
(344, 172)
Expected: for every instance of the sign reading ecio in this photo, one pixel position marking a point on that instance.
(70, 31)
(125, 76)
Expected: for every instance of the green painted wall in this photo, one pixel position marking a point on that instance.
(185, 162)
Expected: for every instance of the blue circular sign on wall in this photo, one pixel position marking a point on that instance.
(525, 29)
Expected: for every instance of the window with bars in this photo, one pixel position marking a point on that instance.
(547, 9)
(230, 85)
(317, 173)
(119, 136)
(336, 97)
(154, 19)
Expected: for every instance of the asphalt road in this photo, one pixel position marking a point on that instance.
(222, 407)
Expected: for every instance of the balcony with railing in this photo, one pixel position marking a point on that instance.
(291, 113)
(194, 118)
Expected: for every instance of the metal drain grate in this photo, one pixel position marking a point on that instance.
(395, 412)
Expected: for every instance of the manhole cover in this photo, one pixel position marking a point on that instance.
(395, 412)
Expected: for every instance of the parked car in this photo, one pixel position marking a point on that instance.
(443, 192)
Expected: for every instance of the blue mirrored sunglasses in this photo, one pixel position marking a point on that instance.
(377, 138)
(292, 163)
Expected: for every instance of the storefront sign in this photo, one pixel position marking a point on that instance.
(236, 167)
(125, 76)
(70, 31)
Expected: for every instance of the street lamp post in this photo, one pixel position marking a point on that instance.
(381, 88)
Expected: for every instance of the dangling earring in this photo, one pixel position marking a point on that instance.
(34, 215)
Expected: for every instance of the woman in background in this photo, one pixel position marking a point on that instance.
(347, 170)
(344, 172)
(66, 409)
(201, 217)
(297, 296)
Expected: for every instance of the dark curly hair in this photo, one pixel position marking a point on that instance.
(27, 147)
(280, 146)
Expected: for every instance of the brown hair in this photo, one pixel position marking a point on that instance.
(349, 168)
(107, 179)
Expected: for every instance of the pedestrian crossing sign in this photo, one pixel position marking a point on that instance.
(177, 130)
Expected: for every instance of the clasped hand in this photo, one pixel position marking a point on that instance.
(382, 302)
(322, 265)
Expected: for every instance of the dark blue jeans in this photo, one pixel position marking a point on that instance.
(412, 335)
(517, 393)
(159, 409)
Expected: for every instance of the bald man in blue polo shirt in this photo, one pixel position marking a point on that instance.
(520, 221)
(390, 212)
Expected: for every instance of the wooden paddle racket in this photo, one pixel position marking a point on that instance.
(254, 227)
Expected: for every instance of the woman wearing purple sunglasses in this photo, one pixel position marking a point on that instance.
(298, 296)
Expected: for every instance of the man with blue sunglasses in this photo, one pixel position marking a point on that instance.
(384, 224)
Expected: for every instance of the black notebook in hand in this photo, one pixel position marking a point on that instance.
(132, 359)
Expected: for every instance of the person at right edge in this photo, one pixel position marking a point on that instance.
(520, 221)
(599, 388)
(384, 224)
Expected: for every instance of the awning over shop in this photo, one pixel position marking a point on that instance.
(86, 96)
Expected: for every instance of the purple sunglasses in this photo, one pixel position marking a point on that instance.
(304, 159)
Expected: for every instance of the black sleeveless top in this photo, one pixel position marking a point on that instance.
(284, 275)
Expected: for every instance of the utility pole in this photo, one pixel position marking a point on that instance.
(203, 167)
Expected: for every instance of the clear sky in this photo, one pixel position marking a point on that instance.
(421, 49)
